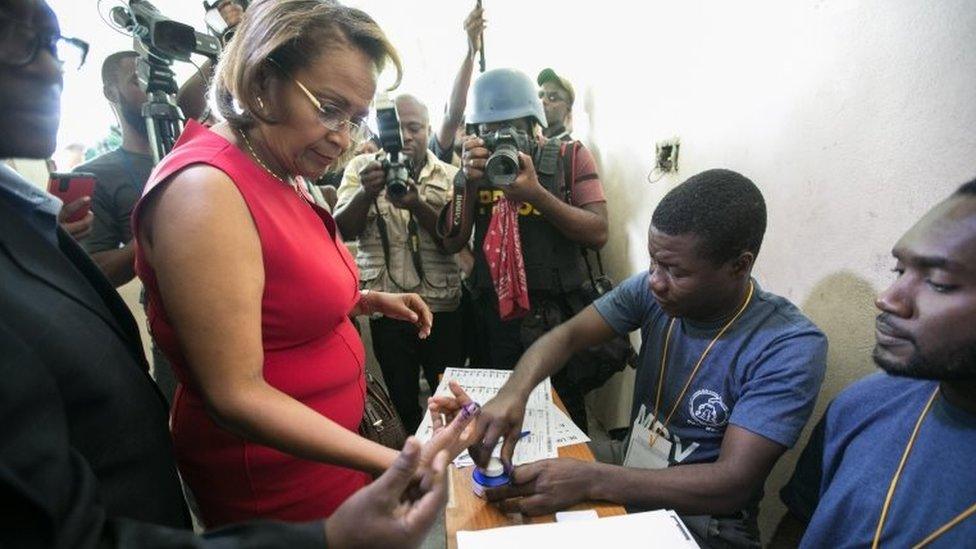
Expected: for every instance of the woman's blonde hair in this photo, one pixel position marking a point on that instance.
(287, 35)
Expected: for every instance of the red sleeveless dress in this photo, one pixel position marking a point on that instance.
(312, 351)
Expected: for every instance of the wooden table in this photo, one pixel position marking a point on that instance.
(466, 511)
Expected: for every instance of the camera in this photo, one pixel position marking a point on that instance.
(159, 41)
(162, 36)
(502, 166)
(388, 123)
(223, 16)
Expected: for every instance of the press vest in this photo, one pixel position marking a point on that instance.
(553, 263)
(441, 284)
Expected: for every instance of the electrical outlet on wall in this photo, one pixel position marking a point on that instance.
(666, 155)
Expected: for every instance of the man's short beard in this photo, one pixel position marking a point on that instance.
(958, 365)
(133, 116)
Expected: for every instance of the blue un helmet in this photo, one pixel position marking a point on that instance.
(504, 94)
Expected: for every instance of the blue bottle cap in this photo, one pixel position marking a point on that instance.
(490, 477)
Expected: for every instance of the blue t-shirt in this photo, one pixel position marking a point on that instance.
(864, 435)
(763, 375)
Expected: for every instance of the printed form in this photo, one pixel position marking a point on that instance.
(548, 427)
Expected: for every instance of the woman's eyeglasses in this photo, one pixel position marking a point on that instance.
(335, 119)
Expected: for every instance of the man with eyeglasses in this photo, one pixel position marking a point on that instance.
(86, 457)
(557, 97)
(20, 47)
(399, 251)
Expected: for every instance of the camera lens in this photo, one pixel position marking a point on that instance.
(396, 189)
(503, 165)
(396, 180)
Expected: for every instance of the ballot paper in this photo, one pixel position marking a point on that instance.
(564, 431)
(661, 529)
(482, 385)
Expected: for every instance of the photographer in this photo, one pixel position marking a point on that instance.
(398, 252)
(561, 207)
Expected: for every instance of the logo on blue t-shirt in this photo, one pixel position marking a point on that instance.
(708, 410)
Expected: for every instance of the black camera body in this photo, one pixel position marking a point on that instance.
(162, 36)
(159, 41)
(391, 141)
(215, 21)
(396, 176)
(505, 143)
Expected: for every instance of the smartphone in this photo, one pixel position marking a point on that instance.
(70, 187)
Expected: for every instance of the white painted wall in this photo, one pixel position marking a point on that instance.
(852, 117)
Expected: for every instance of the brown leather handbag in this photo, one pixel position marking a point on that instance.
(381, 423)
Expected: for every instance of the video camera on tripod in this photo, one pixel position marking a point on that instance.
(160, 41)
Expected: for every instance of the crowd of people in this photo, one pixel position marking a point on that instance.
(256, 306)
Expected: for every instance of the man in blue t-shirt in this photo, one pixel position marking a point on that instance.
(853, 487)
(728, 374)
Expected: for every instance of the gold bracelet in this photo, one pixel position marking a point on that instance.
(363, 306)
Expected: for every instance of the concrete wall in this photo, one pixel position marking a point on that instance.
(852, 117)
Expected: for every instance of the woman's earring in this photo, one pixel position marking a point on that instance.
(260, 103)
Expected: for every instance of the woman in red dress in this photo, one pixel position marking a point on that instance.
(249, 287)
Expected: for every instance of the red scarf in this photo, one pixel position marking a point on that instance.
(503, 252)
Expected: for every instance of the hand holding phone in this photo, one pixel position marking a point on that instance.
(72, 188)
(75, 190)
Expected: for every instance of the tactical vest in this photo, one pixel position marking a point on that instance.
(552, 262)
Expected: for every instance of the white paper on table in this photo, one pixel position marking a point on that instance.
(575, 516)
(660, 529)
(482, 385)
(564, 431)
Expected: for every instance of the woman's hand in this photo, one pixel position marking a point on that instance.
(452, 418)
(407, 307)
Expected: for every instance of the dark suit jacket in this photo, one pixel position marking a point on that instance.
(85, 451)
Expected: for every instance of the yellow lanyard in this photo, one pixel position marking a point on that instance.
(894, 483)
(701, 359)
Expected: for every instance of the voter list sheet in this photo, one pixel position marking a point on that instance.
(548, 428)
